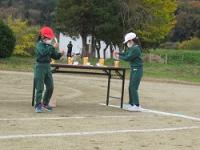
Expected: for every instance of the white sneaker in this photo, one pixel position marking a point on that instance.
(126, 106)
(135, 108)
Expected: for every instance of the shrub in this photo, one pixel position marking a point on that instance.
(7, 40)
(169, 45)
(193, 44)
(25, 35)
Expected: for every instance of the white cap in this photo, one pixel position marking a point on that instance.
(129, 36)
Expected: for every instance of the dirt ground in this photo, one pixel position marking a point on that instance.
(79, 122)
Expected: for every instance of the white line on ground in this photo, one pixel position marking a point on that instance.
(95, 132)
(62, 118)
(162, 113)
(171, 114)
(15, 100)
(87, 117)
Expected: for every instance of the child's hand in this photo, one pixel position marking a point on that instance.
(115, 53)
(62, 52)
(55, 45)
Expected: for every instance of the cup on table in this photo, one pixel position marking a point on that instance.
(85, 60)
(101, 62)
(116, 63)
(69, 60)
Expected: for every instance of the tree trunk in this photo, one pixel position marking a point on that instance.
(111, 51)
(84, 45)
(104, 51)
(98, 47)
(93, 47)
(98, 53)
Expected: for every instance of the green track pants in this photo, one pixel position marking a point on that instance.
(43, 76)
(135, 78)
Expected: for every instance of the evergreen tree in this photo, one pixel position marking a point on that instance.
(7, 40)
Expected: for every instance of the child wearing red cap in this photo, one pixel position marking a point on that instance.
(42, 71)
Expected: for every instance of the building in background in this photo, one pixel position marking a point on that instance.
(77, 45)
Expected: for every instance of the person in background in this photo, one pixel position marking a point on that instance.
(134, 57)
(69, 52)
(42, 72)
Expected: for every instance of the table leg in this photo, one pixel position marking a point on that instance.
(33, 94)
(108, 89)
(123, 82)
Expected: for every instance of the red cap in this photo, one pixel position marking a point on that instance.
(47, 32)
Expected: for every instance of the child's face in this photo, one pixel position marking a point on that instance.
(130, 43)
(47, 40)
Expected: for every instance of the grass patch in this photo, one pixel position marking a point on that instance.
(179, 56)
(15, 63)
(183, 72)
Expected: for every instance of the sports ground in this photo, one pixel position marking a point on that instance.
(170, 119)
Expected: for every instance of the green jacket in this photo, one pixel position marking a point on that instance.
(133, 55)
(44, 53)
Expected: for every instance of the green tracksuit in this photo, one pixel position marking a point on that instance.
(133, 56)
(42, 71)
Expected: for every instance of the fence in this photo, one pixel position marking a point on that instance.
(173, 58)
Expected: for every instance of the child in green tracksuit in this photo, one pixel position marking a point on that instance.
(42, 72)
(133, 56)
